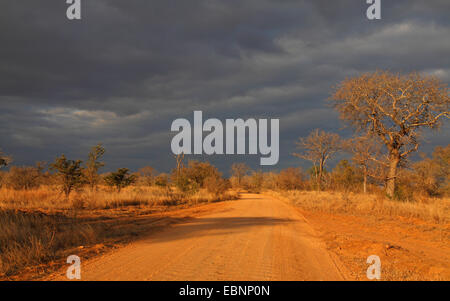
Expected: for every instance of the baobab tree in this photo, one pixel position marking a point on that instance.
(318, 148)
(394, 108)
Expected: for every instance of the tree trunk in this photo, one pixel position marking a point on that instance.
(316, 176)
(392, 174)
(320, 177)
(365, 180)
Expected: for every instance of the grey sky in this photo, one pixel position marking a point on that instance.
(123, 73)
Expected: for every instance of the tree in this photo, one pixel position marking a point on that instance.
(441, 156)
(290, 178)
(120, 178)
(162, 180)
(26, 177)
(69, 172)
(367, 156)
(318, 148)
(345, 176)
(2, 178)
(93, 165)
(239, 170)
(256, 180)
(196, 172)
(147, 175)
(180, 181)
(216, 185)
(180, 163)
(4, 159)
(394, 108)
(432, 175)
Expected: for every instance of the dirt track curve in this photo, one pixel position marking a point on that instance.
(253, 238)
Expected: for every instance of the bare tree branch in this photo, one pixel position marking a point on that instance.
(394, 108)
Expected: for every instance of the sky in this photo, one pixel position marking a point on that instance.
(127, 69)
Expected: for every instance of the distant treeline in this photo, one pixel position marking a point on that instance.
(387, 111)
(427, 177)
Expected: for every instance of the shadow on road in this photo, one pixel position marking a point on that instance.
(215, 226)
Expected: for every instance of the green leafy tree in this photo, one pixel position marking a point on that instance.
(120, 178)
(69, 172)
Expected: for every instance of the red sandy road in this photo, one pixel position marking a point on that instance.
(254, 238)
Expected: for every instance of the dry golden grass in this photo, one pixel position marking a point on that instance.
(39, 225)
(30, 238)
(411, 238)
(50, 197)
(431, 209)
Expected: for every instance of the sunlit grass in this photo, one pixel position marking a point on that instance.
(431, 209)
(38, 225)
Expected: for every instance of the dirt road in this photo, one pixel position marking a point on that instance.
(254, 238)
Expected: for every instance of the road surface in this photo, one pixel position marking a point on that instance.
(254, 238)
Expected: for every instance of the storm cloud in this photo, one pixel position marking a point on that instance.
(124, 72)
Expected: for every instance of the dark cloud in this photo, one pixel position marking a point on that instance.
(123, 73)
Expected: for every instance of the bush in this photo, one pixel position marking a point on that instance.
(26, 177)
(290, 179)
(2, 178)
(162, 180)
(254, 182)
(198, 171)
(346, 177)
(185, 184)
(146, 176)
(216, 185)
(120, 179)
(192, 178)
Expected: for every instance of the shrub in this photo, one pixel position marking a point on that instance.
(198, 171)
(254, 182)
(216, 185)
(192, 177)
(185, 184)
(26, 177)
(146, 176)
(289, 179)
(120, 178)
(346, 177)
(162, 180)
